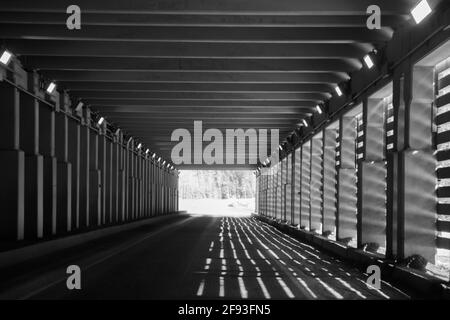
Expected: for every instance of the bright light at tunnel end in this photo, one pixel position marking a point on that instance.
(421, 11)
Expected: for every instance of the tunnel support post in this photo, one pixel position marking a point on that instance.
(418, 234)
(297, 186)
(372, 177)
(329, 181)
(12, 175)
(85, 149)
(283, 185)
(34, 165)
(94, 180)
(293, 186)
(102, 172)
(50, 163)
(74, 157)
(305, 189)
(63, 220)
(347, 203)
(122, 185)
(316, 212)
(115, 172)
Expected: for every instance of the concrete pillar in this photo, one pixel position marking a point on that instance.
(122, 183)
(50, 166)
(297, 185)
(116, 171)
(372, 176)
(12, 175)
(290, 188)
(95, 213)
(316, 218)
(103, 172)
(347, 198)
(419, 165)
(394, 194)
(282, 189)
(85, 150)
(34, 167)
(63, 219)
(329, 181)
(108, 181)
(305, 189)
(74, 156)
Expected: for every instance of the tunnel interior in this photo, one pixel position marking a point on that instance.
(339, 112)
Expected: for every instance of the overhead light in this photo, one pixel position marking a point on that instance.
(368, 61)
(147, 151)
(51, 87)
(319, 109)
(159, 159)
(79, 106)
(421, 11)
(139, 146)
(305, 123)
(164, 162)
(338, 91)
(6, 57)
(117, 132)
(280, 147)
(100, 121)
(153, 155)
(168, 165)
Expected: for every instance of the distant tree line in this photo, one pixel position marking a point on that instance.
(216, 184)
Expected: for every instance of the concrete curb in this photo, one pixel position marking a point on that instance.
(21, 255)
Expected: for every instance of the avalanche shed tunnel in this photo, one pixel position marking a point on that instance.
(92, 93)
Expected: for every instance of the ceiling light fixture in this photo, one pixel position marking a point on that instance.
(421, 11)
(368, 61)
(51, 87)
(6, 57)
(319, 109)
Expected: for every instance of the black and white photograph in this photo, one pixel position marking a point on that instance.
(225, 158)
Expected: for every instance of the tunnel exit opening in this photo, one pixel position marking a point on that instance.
(217, 192)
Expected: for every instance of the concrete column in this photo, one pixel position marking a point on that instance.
(95, 214)
(85, 150)
(394, 194)
(109, 181)
(305, 189)
(74, 156)
(329, 181)
(12, 175)
(103, 172)
(347, 199)
(419, 165)
(297, 185)
(372, 176)
(316, 218)
(115, 168)
(283, 189)
(122, 180)
(290, 189)
(34, 167)
(63, 219)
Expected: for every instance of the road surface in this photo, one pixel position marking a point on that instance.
(195, 257)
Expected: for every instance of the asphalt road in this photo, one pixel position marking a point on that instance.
(196, 257)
